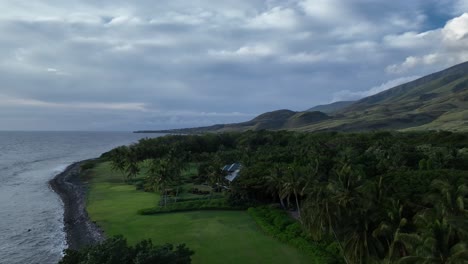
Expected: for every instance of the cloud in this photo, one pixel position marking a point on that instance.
(155, 64)
(125, 20)
(328, 11)
(275, 18)
(305, 57)
(6, 101)
(443, 47)
(244, 52)
(347, 95)
(410, 40)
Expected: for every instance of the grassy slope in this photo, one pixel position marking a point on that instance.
(216, 236)
(433, 102)
(331, 108)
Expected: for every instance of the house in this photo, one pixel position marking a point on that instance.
(232, 171)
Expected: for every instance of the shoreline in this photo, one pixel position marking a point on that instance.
(80, 230)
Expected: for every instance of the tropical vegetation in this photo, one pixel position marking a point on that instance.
(115, 250)
(376, 197)
(219, 234)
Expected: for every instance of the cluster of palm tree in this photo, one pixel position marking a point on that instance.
(162, 173)
(371, 193)
(290, 180)
(125, 160)
(368, 224)
(215, 174)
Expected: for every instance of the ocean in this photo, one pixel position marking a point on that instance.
(31, 214)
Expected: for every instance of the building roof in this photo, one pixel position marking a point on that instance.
(232, 176)
(233, 171)
(232, 168)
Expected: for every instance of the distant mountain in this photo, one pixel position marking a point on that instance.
(438, 101)
(276, 120)
(331, 108)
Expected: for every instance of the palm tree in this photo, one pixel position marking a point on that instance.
(352, 223)
(449, 198)
(275, 181)
(293, 184)
(215, 173)
(441, 234)
(434, 244)
(390, 229)
(357, 230)
(321, 214)
(132, 169)
(119, 159)
(345, 188)
(319, 211)
(162, 173)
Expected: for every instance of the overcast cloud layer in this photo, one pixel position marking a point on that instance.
(127, 65)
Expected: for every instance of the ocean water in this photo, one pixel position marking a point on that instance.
(31, 214)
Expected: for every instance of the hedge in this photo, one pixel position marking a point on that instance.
(193, 205)
(278, 224)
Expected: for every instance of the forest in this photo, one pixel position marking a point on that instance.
(376, 197)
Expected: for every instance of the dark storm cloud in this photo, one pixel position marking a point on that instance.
(152, 64)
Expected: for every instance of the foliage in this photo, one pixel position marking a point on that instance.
(89, 164)
(115, 250)
(280, 225)
(366, 191)
(113, 204)
(194, 205)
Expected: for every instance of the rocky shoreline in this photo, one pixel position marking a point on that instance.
(80, 230)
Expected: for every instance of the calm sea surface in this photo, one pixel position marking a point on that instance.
(31, 214)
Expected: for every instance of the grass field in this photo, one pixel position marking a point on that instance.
(216, 236)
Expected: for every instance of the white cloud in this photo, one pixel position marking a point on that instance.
(6, 101)
(456, 29)
(410, 40)
(181, 18)
(209, 56)
(277, 17)
(84, 18)
(330, 11)
(347, 95)
(445, 47)
(248, 51)
(305, 57)
(125, 20)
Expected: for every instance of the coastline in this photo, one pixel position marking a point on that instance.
(80, 230)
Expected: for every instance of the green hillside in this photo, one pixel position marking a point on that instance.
(438, 101)
(275, 120)
(331, 108)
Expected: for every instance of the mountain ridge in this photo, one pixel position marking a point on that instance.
(331, 107)
(438, 101)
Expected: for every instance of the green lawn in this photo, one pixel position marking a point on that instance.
(216, 236)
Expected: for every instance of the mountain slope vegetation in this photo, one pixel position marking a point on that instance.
(332, 107)
(438, 101)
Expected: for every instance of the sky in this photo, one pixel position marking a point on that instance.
(151, 64)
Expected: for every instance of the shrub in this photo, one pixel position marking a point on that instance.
(281, 222)
(193, 205)
(278, 224)
(89, 164)
(115, 250)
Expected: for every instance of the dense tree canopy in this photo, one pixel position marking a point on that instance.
(382, 197)
(115, 250)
